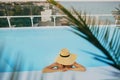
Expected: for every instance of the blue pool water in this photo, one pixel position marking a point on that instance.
(34, 48)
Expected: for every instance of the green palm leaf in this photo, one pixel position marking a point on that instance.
(98, 36)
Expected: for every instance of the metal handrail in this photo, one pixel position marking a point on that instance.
(54, 17)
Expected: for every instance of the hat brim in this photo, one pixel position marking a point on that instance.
(66, 60)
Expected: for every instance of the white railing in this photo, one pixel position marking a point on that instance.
(97, 16)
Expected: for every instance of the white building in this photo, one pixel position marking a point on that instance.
(46, 15)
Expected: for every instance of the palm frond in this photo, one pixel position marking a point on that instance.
(96, 35)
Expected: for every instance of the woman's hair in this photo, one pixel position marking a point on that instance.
(69, 66)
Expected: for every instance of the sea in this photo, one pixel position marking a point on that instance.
(93, 7)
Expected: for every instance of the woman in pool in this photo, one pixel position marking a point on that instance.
(64, 62)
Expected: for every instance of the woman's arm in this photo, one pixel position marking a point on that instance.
(52, 68)
(78, 67)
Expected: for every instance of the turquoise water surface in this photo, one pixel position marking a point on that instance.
(34, 48)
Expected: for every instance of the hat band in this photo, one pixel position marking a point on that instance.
(64, 56)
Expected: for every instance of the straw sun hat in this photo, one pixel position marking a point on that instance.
(65, 57)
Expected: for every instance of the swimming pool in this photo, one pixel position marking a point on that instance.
(31, 49)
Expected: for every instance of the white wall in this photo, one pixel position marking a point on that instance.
(98, 73)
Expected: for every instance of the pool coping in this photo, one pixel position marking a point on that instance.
(38, 27)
